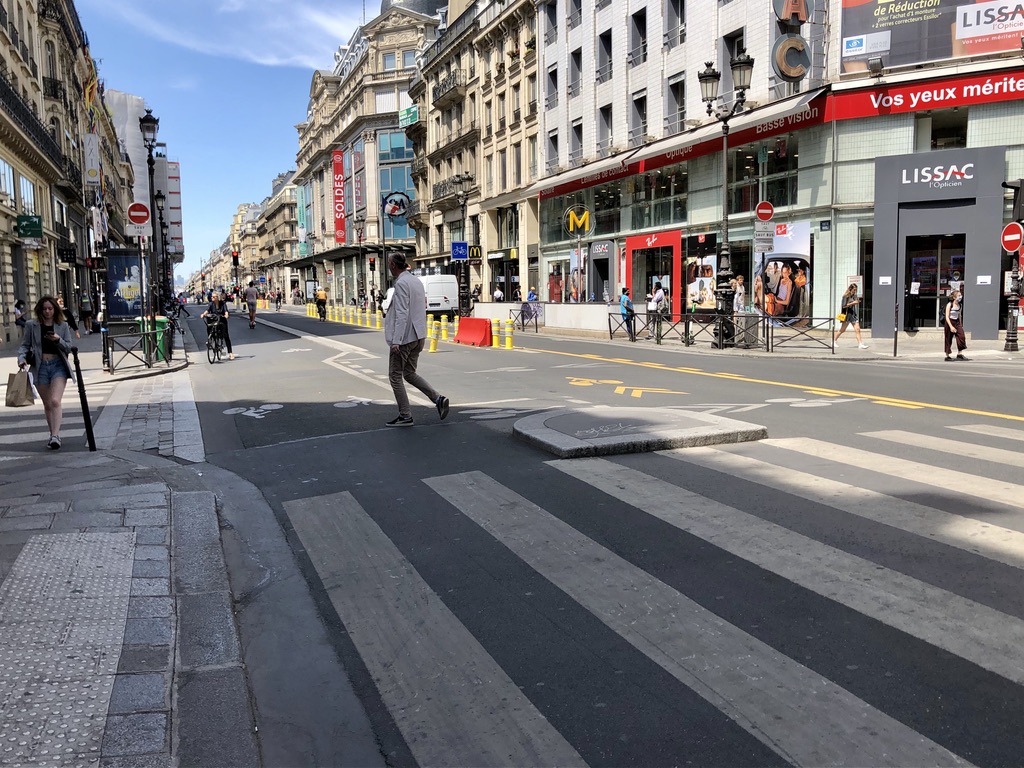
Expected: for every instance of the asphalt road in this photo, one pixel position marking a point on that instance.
(845, 592)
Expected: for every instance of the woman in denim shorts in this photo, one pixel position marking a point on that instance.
(44, 348)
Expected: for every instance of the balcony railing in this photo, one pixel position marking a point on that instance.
(552, 165)
(638, 55)
(551, 36)
(638, 134)
(72, 175)
(501, 123)
(516, 115)
(675, 123)
(675, 36)
(574, 89)
(26, 119)
(604, 72)
(450, 89)
(53, 88)
(23, 50)
(446, 188)
(575, 155)
(602, 4)
(604, 146)
(12, 30)
(551, 101)
(3, 16)
(575, 19)
(533, 107)
(419, 166)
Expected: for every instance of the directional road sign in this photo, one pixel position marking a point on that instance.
(460, 251)
(1012, 237)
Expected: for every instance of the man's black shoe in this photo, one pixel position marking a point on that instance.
(401, 421)
(962, 357)
(442, 407)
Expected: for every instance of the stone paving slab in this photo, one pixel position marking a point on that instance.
(607, 431)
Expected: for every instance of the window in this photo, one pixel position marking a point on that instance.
(508, 226)
(576, 142)
(396, 179)
(517, 164)
(6, 178)
(552, 97)
(408, 59)
(502, 171)
(489, 173)
(51, 59)
(60, 213)
(637, 38)
(393, 146)
(675, 104)
(604, 130)
(388, 61)
(552, 151)
(575, 14)
(575, 72)
(675, 23)
(732, 47)
(604, 56)
(638, 119)
(531, 147)
(28, 197)
(941, 129)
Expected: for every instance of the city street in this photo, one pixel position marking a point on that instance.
(845, 591)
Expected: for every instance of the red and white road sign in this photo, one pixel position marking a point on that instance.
(138, 213)
(1012, 237)
(765, 210)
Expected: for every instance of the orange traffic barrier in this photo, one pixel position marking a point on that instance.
(475, 331)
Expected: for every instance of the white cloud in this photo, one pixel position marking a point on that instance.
(279, 33)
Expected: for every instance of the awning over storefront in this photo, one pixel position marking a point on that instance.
(778, 117)
(597, 172)
(348, 252)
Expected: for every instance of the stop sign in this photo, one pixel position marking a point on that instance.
(1012, 237)
(765, 210)
(138, 213)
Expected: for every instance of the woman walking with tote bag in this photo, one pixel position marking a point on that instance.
(44, 350)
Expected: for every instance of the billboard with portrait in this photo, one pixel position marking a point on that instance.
(907, 32)
(124, 285)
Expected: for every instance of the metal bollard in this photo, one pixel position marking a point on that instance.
(495, 332)
(444, 327)
(508, 333)
(435, 330)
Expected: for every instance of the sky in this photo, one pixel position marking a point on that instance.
(229, 80)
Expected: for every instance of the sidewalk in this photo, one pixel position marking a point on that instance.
(118, 645)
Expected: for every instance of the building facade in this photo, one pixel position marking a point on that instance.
(64, 178)
(354, 163)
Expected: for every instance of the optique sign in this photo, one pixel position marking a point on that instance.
(791, 58)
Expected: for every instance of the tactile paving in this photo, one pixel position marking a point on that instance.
(63, 609)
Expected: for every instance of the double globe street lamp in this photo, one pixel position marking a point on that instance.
(742, 67)
(463, 183)
(149, 126)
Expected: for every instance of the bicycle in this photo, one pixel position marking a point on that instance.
(214, 339)
(321, 308)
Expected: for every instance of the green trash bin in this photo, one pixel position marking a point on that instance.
(163, 339)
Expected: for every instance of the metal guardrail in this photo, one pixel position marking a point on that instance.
(133, 345)
(525, 315)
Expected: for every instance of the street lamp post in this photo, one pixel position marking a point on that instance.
(465, 182)
(742, 67)
(149, 126)
(358, 224)
(161, 199)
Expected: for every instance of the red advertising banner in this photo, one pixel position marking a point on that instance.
(338, 162)
(937, 94)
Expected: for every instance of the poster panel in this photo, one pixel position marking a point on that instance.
(124, 285)
(908, 32)
(782, 280)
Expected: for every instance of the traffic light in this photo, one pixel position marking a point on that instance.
(234, 258)
(373, 263)
(1018, 199)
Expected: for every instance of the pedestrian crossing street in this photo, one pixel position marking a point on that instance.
(788, 602)
(25, 428)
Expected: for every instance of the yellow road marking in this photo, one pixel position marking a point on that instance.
(879, 399)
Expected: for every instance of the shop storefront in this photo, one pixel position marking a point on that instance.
(503, 267)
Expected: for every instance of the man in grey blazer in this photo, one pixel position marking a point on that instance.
(405, 331)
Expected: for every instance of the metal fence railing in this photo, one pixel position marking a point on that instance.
(739, 330)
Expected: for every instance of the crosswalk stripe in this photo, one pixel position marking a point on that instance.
(41, 435)
(999, 544)
(982, 635)
(38, 422)
(427, 666)
(991, 430)
(804, 717)
(949, 445)
(998, 491)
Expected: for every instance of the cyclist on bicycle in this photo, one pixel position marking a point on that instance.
(277, 300)
(251, 297)
(321, 303)
(219, 309)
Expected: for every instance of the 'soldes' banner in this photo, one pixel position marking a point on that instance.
(338, 163)
(904, 32)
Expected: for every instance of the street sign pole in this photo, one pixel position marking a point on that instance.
(1012, 240)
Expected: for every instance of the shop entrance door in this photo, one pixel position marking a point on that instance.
(934, 264)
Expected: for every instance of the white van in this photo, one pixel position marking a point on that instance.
(442, 295)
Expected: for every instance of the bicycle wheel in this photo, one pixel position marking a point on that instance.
(220, 349)
(211, 350)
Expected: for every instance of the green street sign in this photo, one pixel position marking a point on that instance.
(408, 116)
(30, 226)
